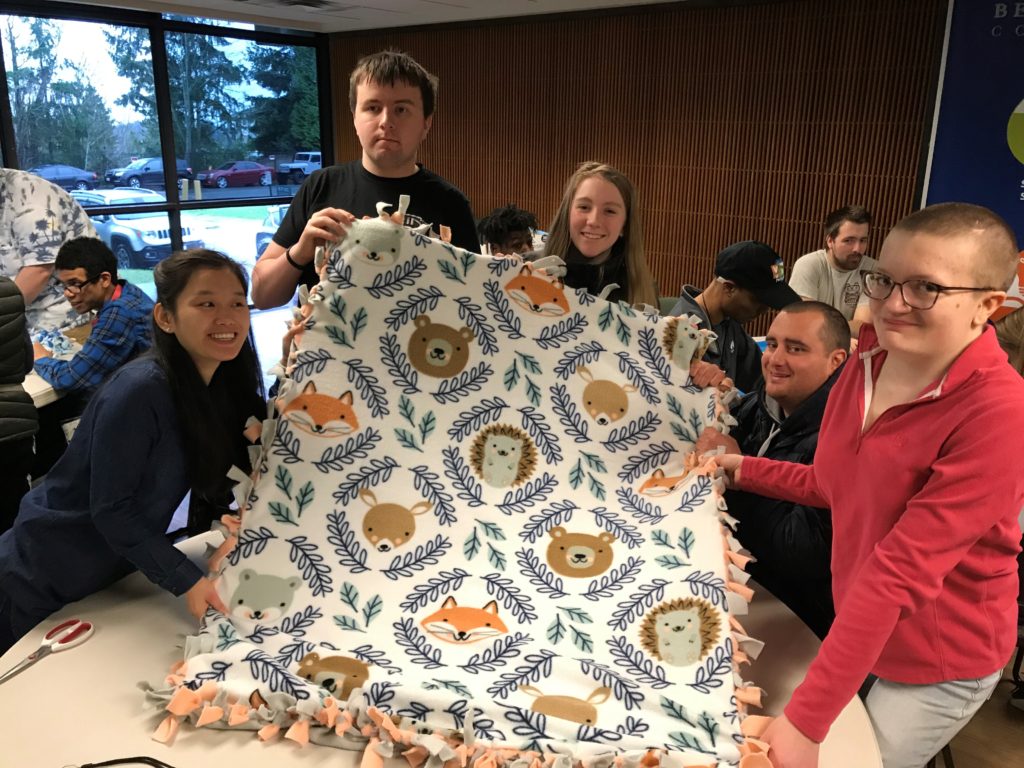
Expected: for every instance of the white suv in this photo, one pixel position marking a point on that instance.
(138, 240)
(303, 164)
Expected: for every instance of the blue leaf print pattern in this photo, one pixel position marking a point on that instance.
(480, 554)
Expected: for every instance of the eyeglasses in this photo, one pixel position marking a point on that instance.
(917, 294)
(75, 288)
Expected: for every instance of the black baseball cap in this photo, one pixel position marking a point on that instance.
(758, 268)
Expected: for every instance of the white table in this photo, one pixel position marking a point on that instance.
(39, 390)
(92, 692)
(789, 649)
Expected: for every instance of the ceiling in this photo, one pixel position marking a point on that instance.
(344, 16)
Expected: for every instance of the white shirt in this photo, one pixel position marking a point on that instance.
(814, 277)
(36, 219)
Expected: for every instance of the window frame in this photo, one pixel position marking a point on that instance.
(158, 26)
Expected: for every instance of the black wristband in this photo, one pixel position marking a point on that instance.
(293, 262)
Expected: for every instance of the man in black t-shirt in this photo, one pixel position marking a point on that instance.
(392, 102)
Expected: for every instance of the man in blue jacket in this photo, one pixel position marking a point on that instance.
(806, 346)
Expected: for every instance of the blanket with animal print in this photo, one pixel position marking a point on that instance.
(476, 532)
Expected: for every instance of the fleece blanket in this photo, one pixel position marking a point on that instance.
(476, 531)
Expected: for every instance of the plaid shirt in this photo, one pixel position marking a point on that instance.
(122, 330)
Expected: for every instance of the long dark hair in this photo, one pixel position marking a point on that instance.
(212, 417)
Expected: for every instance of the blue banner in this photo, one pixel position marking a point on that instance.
(978, 154)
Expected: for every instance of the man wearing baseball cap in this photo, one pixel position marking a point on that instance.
(749, 280)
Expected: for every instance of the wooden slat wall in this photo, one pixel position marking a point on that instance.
(733, 122)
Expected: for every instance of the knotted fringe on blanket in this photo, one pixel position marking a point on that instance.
(477, 532)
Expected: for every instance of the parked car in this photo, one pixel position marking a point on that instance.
(275, 214)
(138, 239)
(67, 176)
(145, 172)
(303, 164)
(237, 173)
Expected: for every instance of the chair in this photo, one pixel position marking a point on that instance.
(1017, 697)
(1020, 617)
(947, 758)
(666, 303)
(1019, 658)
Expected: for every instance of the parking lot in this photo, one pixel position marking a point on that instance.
(238, 193)
(232, 232)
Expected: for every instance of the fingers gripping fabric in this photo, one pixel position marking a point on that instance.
(476, 532)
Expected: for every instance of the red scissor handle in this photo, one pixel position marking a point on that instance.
(83, 628)
(65, 635)
(56, 630)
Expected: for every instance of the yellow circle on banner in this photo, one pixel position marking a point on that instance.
(1015, 132)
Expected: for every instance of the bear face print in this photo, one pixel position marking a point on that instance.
(338, 674)
(439, 350)
(579, 555)
(262, 597)
(379, 243)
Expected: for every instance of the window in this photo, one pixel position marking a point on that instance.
(139, 239)
(242, 111)
(70, 103)
(209, 22)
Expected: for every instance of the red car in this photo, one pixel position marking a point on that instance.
(237, 173)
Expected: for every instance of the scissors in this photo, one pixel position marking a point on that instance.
(65, 635)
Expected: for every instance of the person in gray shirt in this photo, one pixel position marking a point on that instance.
(831, 275)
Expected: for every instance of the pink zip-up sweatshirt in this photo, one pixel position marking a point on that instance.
(925, 534)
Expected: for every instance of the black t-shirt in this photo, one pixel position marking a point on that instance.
(229, 410)
(349, 186)
(581, 272)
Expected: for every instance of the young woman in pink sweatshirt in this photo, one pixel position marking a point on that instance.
(921, 459)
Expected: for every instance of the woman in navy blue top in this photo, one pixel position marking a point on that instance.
(165, 423)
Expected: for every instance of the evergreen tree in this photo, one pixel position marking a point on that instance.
(289, 118)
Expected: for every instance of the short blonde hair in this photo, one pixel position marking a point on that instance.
(997, 244)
